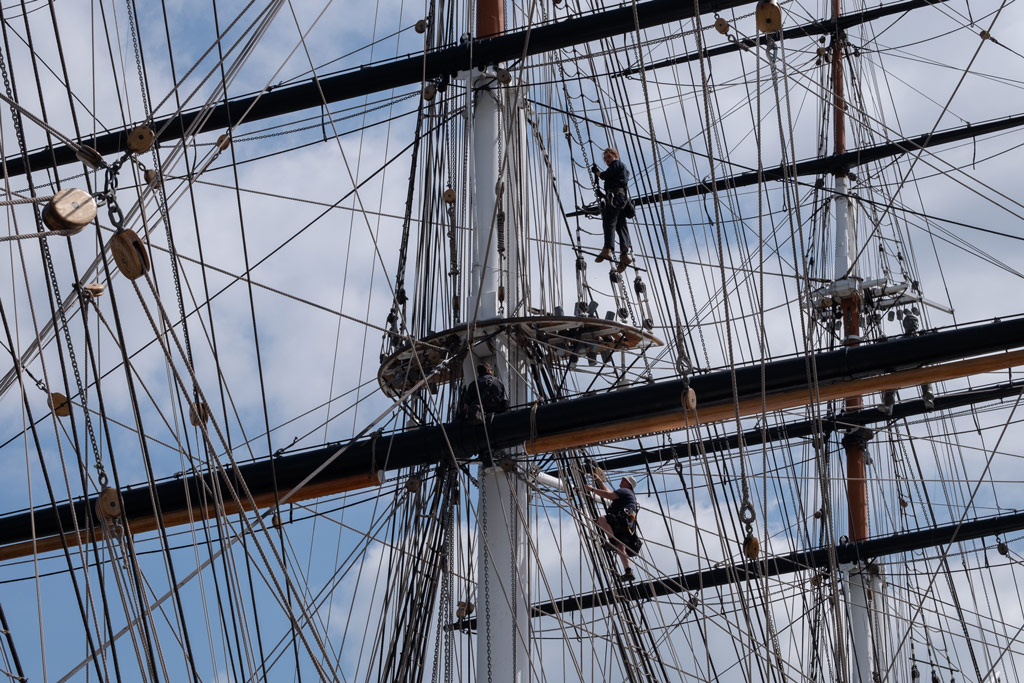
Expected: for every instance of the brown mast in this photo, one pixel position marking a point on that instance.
(855, 442)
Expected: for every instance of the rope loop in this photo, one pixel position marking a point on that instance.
(747, 514)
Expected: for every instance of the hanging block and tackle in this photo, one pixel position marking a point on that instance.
(721, 25)
(141, 139)
(151, 177)
(198, 414)
(429, 91)
(129, 254)
(90, 157)
(108, 505)
(421, 26)
(504, 76)
(59, 404)
(449, 196)
(769, 16)
(224, 141)
(70, 209)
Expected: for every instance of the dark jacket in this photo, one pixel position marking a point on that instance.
(615, 177)
(626, 501)
(485, 395)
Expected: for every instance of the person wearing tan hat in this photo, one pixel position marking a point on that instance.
(620, 521)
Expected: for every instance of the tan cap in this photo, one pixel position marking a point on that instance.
(631, 480)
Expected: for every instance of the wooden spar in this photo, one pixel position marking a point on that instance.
(722, 411)
(142, 524)
(807, 30)
(803, 429)
(779, 565)
(464, 441)
(822, 165)
(406, 70)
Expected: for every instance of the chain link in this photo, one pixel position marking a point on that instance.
(51, 273)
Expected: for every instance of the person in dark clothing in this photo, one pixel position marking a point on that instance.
(614, 207)
(620, 521)
(485, 395)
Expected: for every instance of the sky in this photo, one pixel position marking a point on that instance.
(288, 356)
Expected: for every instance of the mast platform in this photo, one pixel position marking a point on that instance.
(562, 337)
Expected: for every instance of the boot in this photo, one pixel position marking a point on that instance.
(605, 255)
(624, 261)
(628, 575)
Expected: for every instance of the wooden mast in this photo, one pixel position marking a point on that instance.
(846, 287)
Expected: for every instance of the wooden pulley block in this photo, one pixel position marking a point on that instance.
(504, 76)
(751, 547)
(769, 16)
(449, 196)
(151, 176)
(70, 209)
(95, 289)
(421, 26)
(141, 139)
(465, 608)
(985, 35)
(90, 157)
(108, 505)
(224, 141)
(822, 51)
(198, 414)
(816, 580)
(413, 484)
(690, 399)
(59, 404)
(129, 254)
(817, 514)
(275, 521)
(429, 91)
(721, 25)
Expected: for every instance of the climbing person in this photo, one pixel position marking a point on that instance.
(616, 207)
(619, 523)
(485, 395)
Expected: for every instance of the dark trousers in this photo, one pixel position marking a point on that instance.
(614, 221)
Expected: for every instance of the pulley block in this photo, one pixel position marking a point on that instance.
(413, 484)
(108, 505)
(721, 25)
(769, 16)
(59, 404)
(465, 608)
(690, 399)
(95, 289)
(421, 26)
(224, 141)
(275, 521)
(90, 157)
(129, 254)
(751, 547)
(141, 139)
(70, 209)
(449, 196)
(504, 76)
(151, 176)
(429, 92)
(198, 414)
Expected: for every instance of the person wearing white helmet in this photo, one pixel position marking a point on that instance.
(620, 521)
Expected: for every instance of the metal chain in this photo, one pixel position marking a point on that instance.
(484, 562)
(51, 273)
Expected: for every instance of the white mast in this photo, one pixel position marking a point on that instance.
(503, 598)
